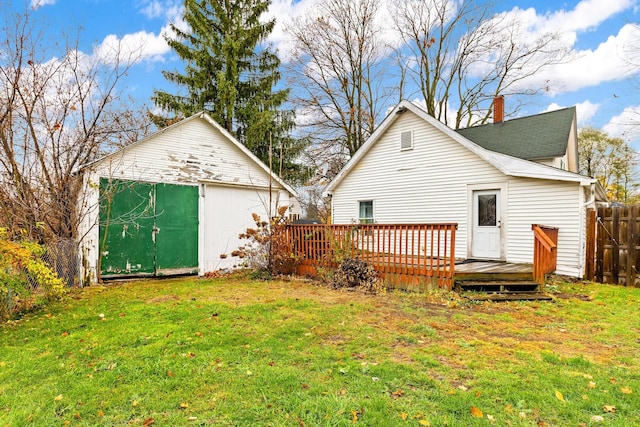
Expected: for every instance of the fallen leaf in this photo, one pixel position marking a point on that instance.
(424, 423)
(397, 393)
(77, 416)
(354, 416)
(58, 398)
(148, 422)
(490, 418)
(64, 334)
(170, 374)
(509, 408)
(184, 405)
(403, 415)
(609, 408)
(476, 412)
(478, 393)
(560, 396)
(463, 387)
(100, 413)
(612, 380)
(192, 418)
(626, 390)
(591, 384)
(134, 403)
(541, 424)
(597, 418)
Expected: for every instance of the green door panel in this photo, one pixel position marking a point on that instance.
(126, 227)
(176, 229)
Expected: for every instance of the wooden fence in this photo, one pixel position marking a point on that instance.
(613, 245)
(406, 256)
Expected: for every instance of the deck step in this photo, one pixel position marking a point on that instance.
(510, 296)
(498, 286)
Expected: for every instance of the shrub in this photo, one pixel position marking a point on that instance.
(354, 273)
(267, 249)
(25, 279)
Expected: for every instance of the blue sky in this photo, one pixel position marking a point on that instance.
(600, 33)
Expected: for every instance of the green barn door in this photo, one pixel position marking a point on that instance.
(126, 228)
(176, 229)
(147, 229)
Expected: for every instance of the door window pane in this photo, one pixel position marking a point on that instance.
(487, 210)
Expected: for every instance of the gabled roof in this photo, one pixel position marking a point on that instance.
(509, 165)
(201, 115)
(542, 136)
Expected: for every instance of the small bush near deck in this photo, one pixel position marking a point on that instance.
(354, 273)
(25, 279)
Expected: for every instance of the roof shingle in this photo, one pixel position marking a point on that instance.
(542, 136)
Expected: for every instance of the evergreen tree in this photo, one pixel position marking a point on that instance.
(232, 75)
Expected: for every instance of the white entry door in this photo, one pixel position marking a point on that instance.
(486, 224)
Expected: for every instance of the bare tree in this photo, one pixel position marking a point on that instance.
(461, 55)
(56, 114)
(337, 75)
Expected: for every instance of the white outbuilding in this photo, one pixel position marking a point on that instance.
(174, 202)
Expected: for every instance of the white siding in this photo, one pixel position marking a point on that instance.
(433, 183)
(552, 203)
(184, 154)
(222, 224)
(426, 184)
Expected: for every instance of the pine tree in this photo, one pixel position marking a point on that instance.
(232, 74)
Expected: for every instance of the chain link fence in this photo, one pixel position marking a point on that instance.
(62, 257)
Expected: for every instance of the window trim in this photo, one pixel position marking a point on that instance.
(366, 220)
(411, 143)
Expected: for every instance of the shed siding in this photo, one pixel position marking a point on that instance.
(191, 153)
(425, 184)
(184, 154)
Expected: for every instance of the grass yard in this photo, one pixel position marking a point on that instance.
(237, 352)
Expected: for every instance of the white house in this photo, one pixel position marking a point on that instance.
(414, 169)
(174, 202)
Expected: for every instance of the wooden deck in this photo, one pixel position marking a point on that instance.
(468, 268)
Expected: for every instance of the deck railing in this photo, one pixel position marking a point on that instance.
(405, 255)
(545, 242)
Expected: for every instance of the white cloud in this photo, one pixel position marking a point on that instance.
(37, 4)
(132, 48)
(609, 61)
(625, 125)
(585, 111)
(161, 8)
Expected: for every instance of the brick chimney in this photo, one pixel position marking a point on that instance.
(498, 109)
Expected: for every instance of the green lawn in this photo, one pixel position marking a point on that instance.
(237, 352)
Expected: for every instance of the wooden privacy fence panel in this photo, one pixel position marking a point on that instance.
(617, 245)
(403, 254)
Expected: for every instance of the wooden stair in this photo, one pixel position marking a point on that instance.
(498, 285)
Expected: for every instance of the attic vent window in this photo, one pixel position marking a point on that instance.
(406, 141)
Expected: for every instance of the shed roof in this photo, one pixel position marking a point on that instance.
(542, 136)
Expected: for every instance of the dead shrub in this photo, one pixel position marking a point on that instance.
(354, 273)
